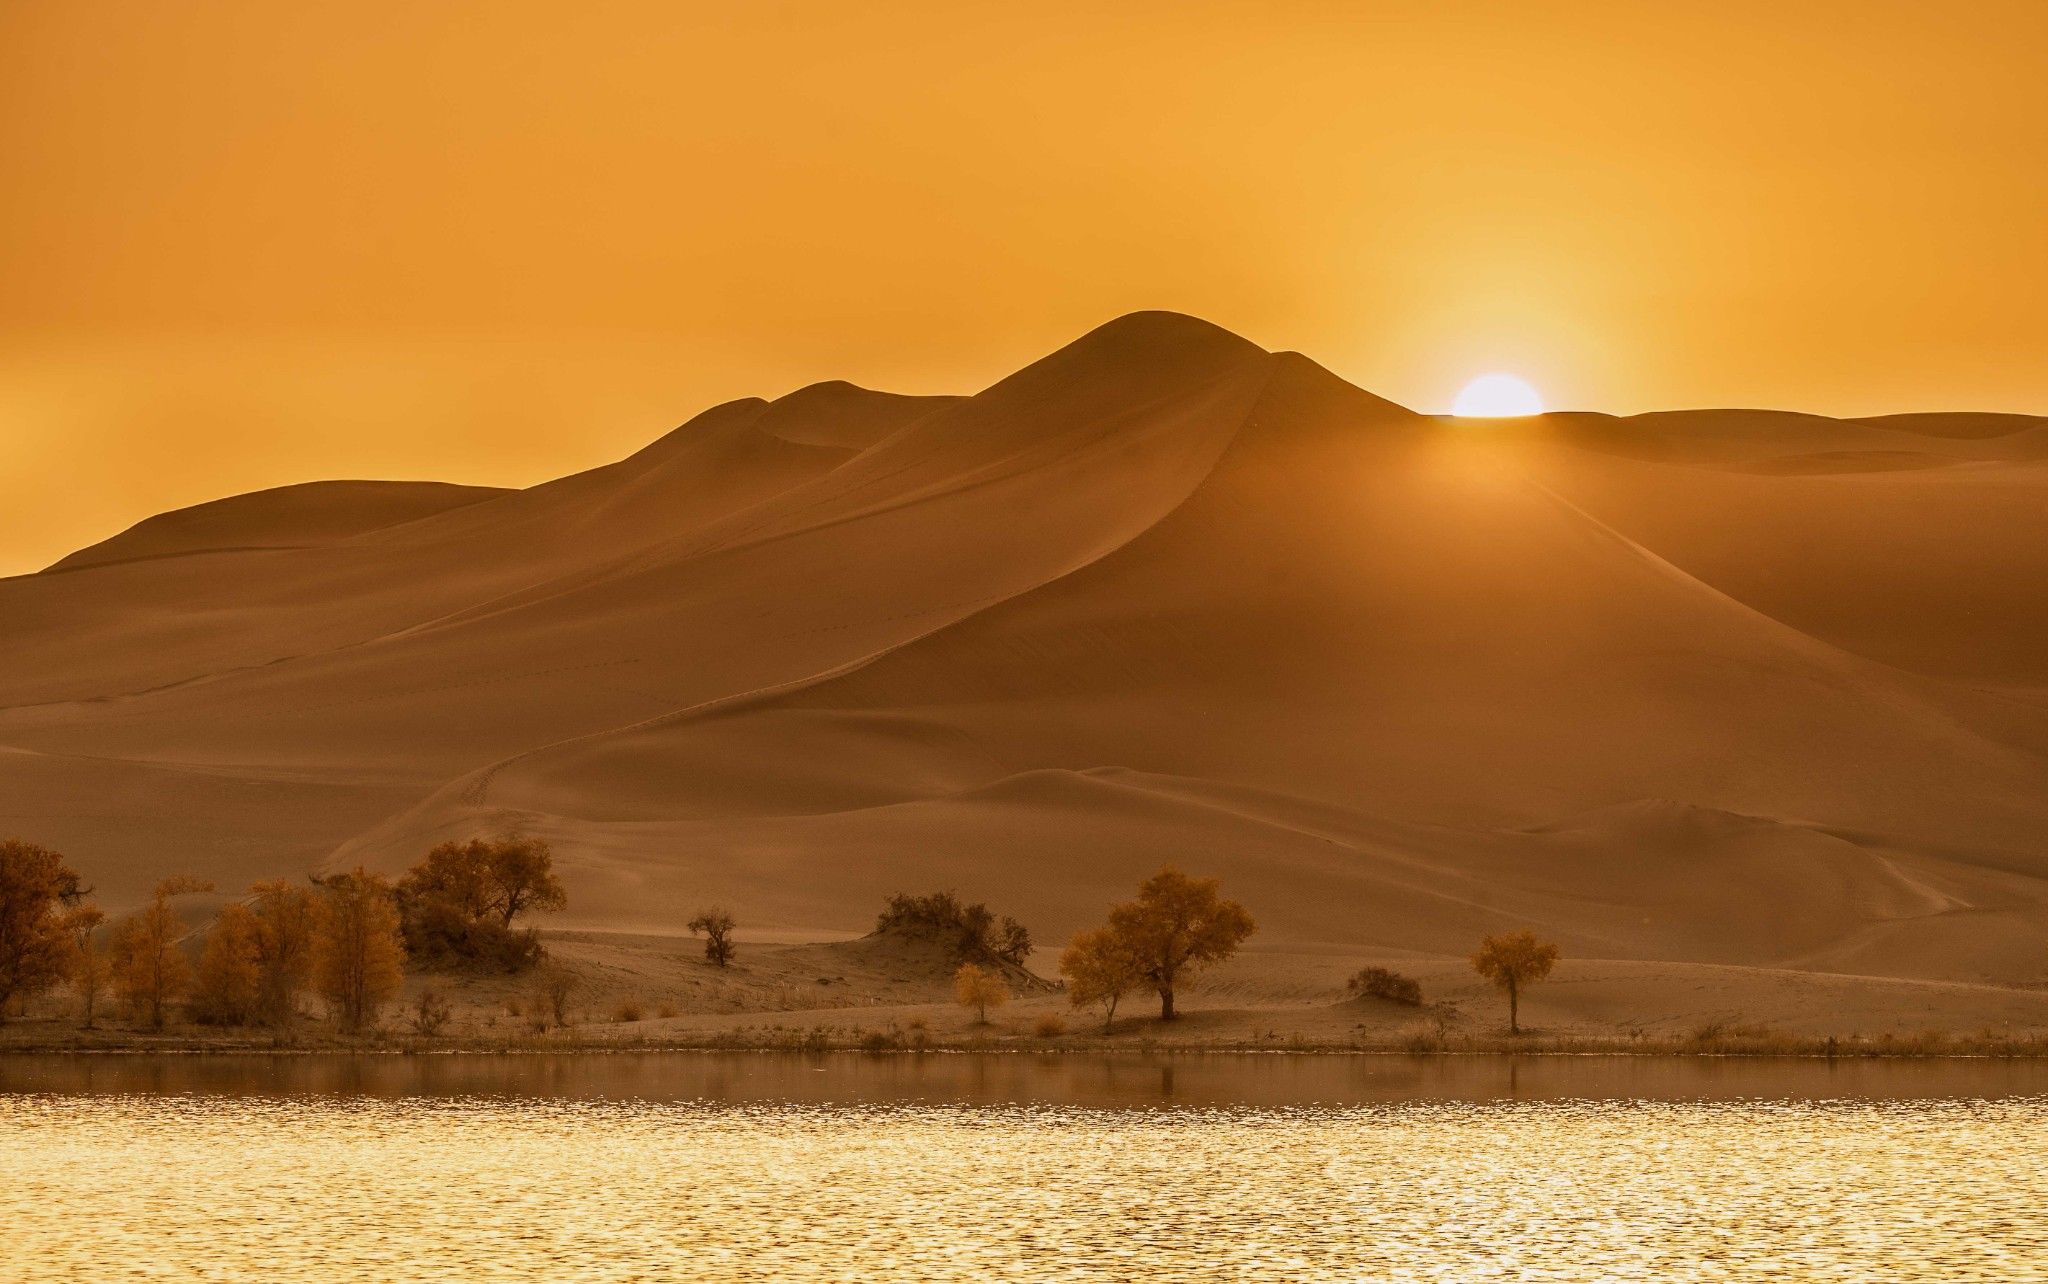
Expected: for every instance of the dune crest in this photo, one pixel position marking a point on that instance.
(1160, 595)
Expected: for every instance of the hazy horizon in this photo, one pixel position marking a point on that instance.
(466, 453)
(249, 246)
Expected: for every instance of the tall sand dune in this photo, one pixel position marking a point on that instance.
(1729, 687)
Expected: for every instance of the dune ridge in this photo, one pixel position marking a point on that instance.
(1736, 688)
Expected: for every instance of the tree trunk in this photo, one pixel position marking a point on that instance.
(1514, 1008)
(1166, 1003)
(156, 993)
(1109, 1016)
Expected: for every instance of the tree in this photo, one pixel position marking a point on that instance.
(460, 902)
(36, 889)
(715, 926)
(150, 971)
(980, 990)
(1511, 961)
(358, 958)
(88, 965)
(1012, 942)
(522, 878)
(226, 988)
(1177, 925)
(287, 928)
(1099, 969)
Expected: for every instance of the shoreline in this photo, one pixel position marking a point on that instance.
(811, 1043)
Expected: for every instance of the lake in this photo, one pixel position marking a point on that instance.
(1020, 1167)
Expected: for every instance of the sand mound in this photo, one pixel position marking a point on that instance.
(286, 517)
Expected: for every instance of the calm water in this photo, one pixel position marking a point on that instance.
(1019, 1168)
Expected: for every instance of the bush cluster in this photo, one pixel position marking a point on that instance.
(972, 932)
(1384, 983)
(439, 936)
(458, 905)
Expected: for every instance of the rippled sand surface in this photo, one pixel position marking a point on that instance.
(332, 1186)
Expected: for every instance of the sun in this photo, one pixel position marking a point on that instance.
(1497, 396)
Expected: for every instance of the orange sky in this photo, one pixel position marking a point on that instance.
(249, 243)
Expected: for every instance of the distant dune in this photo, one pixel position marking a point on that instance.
(286, 517)
(1730, 687)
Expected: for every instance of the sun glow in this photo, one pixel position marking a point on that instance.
(1497, 396)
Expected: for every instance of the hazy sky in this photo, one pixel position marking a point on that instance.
(249, 243)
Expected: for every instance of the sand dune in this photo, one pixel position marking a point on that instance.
(286, 517)
(1728, 687)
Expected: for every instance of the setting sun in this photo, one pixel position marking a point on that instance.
(1497, 396)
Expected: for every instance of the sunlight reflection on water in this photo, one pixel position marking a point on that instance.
(323, 1187)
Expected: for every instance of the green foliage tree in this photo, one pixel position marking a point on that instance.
(1511, 961)
(37, 889)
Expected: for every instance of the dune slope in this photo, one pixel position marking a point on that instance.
(1723, 687)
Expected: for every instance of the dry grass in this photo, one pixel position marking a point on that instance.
(885, 997)
(1425, 1038)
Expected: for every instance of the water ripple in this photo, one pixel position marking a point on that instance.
(291, 1189)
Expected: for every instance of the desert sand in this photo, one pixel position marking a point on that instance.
(1748, 710)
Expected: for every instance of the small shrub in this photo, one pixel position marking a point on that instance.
(1423, 1039)
(626, 1012)
(553, 989)
(666, 1011)
(430, 1014)
(880, 1041)
(1048, 1026)
(1383, 983)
